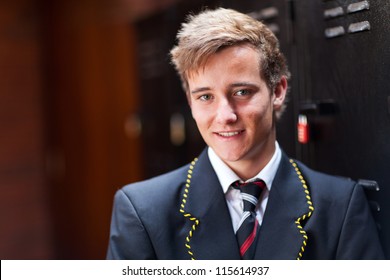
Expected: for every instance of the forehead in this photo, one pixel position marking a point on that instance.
(237, 59)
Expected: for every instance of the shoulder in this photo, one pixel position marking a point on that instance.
(156, 188)
(323, 178)
(336, 200)
(327, 187)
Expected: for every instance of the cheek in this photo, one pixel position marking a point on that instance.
(258, 112)
(194, 111)
(260, 118)
(198, 115)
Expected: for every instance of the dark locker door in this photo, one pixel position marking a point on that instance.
(154, 102)
(344, 87)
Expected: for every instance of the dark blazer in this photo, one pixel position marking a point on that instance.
(183, 215)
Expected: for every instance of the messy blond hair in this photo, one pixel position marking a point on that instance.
(211, 30)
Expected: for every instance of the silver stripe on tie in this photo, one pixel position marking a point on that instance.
(249, 198)
(245, 215)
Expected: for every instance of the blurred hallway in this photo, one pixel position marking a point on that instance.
(68, 89)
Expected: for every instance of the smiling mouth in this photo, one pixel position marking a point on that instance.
(229, 134)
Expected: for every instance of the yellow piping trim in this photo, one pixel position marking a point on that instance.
(305, 216)
(188, 215)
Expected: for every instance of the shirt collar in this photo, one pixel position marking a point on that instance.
(226, 176)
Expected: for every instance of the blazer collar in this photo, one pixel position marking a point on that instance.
(213, 237)
(289, 206)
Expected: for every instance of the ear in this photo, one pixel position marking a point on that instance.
(280, 92)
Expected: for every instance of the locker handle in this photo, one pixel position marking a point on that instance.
(369, 185)
(319, 108)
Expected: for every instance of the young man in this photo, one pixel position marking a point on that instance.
(243, 198)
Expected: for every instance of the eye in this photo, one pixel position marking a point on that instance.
(242, 92)
(205, 97)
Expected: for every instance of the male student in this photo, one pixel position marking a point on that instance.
(242, 197)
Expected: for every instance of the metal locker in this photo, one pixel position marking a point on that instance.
(343, 62)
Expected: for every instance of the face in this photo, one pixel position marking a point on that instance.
(233, 107)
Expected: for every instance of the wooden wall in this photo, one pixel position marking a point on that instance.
(24, 212)
(68, 91)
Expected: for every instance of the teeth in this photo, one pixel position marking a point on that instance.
(228, 134)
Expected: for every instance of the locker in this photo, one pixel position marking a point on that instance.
(343, 57)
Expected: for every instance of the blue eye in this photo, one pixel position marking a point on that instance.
(205, 97)
(242, 92)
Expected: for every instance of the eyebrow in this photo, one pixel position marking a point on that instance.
(243, 84)
(240, 84)
(201, 89)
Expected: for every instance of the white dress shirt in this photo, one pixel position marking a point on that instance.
(226, 177)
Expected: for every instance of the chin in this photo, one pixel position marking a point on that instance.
(229, 156)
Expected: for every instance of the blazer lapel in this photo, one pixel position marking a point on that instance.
(280, 236)
(212, 235)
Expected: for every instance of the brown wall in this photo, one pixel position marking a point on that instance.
(67, 89)
(25, 227)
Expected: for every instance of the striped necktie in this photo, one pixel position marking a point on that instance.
(248, 226)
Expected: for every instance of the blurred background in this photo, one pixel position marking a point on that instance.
(89, 102)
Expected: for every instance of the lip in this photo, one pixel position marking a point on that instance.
(229, 134)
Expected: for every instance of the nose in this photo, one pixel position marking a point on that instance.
(225, 113)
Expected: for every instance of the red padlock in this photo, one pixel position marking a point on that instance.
(303, 129)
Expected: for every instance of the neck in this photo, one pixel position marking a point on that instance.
(251, 166)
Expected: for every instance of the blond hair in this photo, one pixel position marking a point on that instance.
(211, 30)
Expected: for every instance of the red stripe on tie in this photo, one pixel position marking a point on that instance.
(248, 242)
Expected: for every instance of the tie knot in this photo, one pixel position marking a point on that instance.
(253, 188)
(250, 193)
